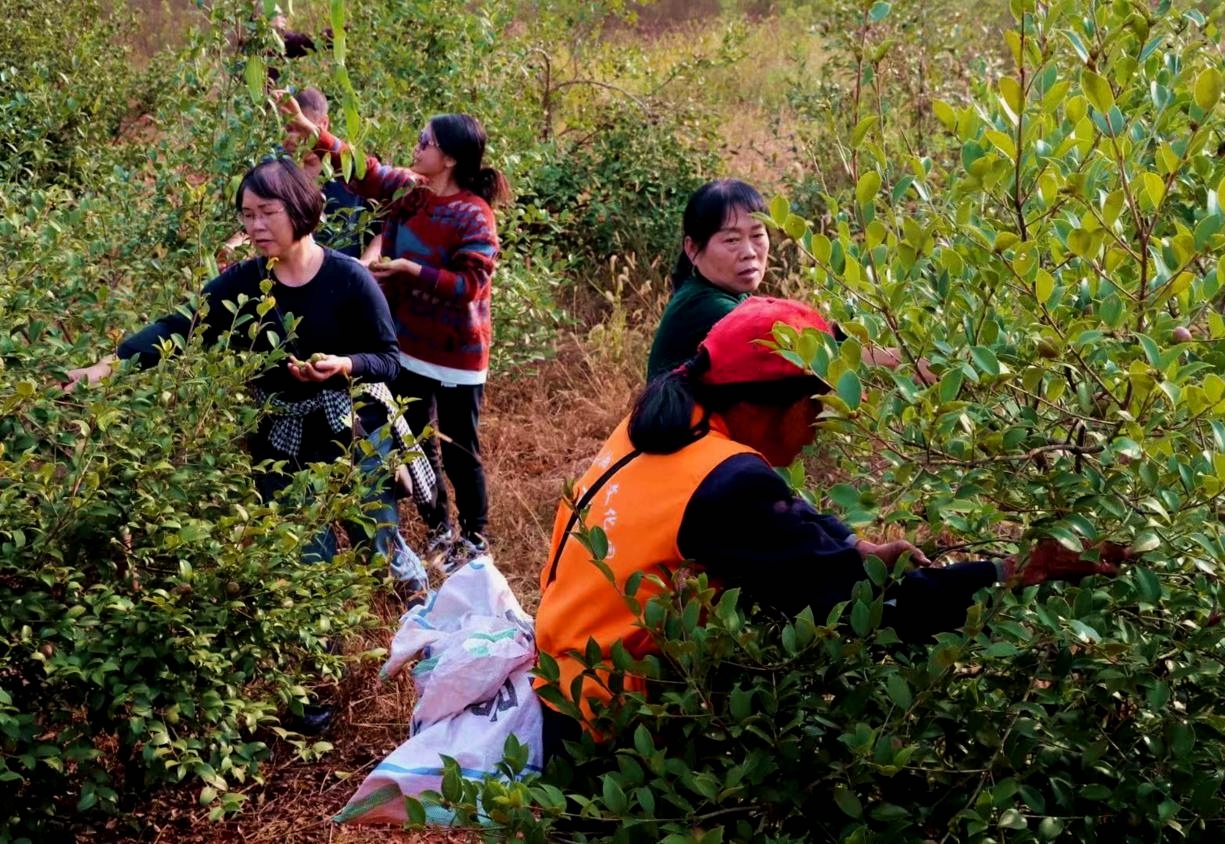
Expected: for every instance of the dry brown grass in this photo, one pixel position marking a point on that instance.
(541, 427)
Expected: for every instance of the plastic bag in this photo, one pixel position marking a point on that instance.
(477, 646)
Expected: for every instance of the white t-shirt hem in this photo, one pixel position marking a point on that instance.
(445, 375)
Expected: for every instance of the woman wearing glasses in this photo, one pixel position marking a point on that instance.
(440, 246)
(344, 330)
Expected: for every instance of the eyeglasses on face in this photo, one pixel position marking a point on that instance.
(249, 218)
(424, 141)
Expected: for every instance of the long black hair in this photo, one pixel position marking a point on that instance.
(462, 137)
(708, 210)
(662, 419)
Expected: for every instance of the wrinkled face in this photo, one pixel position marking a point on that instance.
(428, 158)
(734, 259)
(267, 224)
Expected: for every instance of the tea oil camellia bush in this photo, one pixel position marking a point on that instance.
(156, 621)
(1057, 261)
(157, 617)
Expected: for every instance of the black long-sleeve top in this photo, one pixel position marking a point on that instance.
(341, 312)
(746, 527)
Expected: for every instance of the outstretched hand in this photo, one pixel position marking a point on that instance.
(299, 126)
(1049, 560)
(89, 374)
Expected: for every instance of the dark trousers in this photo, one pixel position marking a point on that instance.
(454, 413)
(556, 730)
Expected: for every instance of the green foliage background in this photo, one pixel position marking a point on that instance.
(157, 622)
(1036, 213)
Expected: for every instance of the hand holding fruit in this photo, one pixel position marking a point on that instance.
(319, 367)
(385, 268)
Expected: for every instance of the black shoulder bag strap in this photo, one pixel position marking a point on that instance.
(582, 505)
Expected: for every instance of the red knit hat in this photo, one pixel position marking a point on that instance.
(733, 345)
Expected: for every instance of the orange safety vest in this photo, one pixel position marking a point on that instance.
(639, 507)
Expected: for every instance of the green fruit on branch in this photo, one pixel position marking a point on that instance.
(1048, 349)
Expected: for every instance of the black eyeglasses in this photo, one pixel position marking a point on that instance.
(424, 141)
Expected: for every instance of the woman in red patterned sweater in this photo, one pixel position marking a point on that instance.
(440, 246)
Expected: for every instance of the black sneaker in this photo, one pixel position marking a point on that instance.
(314, 720)
(463, 551)
(438, 544)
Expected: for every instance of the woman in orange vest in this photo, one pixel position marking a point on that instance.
(687, 480)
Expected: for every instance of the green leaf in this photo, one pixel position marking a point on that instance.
(1097, 89)
(950, 385)
(861, 618)
(795, 226)
(1149, 585)
(862, 128)
(780, 209)
(899, 691)
(850, 389)
(1078, 45)
(1080, 242)
(338, 16)
(1084, 630)
(848, 802)
(1011, 93)
(844, 495)
(1044, 286)
(879, 11)
(255, 73)
(945, 114)
(1065, 537)
(1154, 186)
(1145, 541)
(614, 795)
(415, 812)
(986, 360)
(597, 542)
(868, 187)
(1208, 87)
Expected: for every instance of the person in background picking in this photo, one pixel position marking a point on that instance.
(346, 226)
(722, 262)
(688, 481)
(440, 247)
(344, 331)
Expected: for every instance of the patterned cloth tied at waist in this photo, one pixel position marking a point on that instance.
(285, 430)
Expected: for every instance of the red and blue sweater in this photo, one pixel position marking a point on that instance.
(442, 317)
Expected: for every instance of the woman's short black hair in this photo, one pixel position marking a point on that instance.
(709, 209)
(282, 179)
